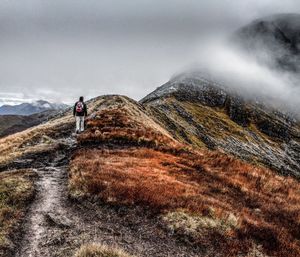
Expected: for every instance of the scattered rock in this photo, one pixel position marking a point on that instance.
(55, 219)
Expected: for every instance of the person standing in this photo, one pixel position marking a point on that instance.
(80, 112)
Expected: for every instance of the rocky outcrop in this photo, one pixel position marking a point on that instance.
(237, 111)
(274, 128)
(193, 89)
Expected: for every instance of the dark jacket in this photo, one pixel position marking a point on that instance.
(83, 113)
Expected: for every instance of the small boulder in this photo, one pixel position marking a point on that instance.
(56, 219)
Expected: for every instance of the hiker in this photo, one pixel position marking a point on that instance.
(79, 112)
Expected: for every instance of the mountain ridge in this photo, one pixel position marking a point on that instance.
(130, 167)
(196, 109)
(30, 108)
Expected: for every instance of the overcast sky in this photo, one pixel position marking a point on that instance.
(60, 49)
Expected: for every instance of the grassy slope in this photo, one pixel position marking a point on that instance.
(10, 124)
(33, 140)
(42, 138)
(10, 120)
(213, 199)
(215, 120)
(215, 123)
(126, 157)
(16, 191)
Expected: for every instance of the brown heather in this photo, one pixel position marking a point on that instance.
(163, 176)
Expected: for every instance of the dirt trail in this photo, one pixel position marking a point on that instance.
(50, 188)
(56, 227)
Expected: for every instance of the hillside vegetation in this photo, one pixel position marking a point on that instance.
(36, 140)
(213, 199)
(10, 124)
(94, 250)
(16, 192)
(40, 140)
(201, 113)
(129, 156)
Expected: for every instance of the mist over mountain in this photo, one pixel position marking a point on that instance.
(193, 106)
(259, 62)
(60, 50)
(273, 40)
(30, 108)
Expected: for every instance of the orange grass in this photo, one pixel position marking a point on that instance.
(119, 126)
(167, 178)
(267, 205)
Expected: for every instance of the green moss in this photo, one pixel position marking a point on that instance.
(197, 142)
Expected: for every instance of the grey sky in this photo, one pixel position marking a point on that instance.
(60, 49)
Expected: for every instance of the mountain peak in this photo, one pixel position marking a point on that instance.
(192, 86)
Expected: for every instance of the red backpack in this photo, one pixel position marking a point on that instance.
(79, 107)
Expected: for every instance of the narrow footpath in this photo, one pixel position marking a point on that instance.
(56, 226)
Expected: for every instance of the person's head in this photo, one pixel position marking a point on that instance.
(81, 99)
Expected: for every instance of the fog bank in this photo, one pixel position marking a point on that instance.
(57, 50)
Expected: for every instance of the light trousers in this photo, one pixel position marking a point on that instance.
(79, 123)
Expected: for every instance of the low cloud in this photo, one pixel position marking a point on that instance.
(60, 49)
(245, 74)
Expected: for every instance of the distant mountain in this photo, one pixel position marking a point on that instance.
(10, 124)
(274, 40)
(30, 108)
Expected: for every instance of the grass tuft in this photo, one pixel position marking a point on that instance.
(16, 191)
(96, 250)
